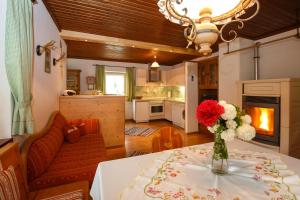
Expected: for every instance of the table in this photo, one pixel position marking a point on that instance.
(112, 177)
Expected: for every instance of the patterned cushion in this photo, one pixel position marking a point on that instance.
(72, 135)
(75, 195)
(9, 188)
(74, 162)
(43, 150)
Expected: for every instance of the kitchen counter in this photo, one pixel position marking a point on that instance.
(108, 109)
(178, 100)
(89, 96)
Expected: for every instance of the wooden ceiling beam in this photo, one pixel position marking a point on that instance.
(79, 36)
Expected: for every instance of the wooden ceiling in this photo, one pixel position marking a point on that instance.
(94, 51)
(140, 20)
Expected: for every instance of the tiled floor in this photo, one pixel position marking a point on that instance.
(144, 144)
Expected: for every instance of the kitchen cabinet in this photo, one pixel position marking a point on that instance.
(168, 110)
(141, 111)
(208, 74)
(141, 77)
(178, 114)
(176, 76)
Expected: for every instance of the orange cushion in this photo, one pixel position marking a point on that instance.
(43, 150)
(74, 162)
(72, 135)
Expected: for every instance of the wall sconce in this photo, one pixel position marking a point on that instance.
(41, 49)
(56, 60)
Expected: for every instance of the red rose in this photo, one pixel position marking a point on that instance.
(208, 112)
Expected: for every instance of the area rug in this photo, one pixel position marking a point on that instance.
(137, 131)
(136, 153)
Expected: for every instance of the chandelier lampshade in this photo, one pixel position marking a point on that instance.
(155, 65)
(201, 18)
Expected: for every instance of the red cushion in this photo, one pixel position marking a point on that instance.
(74, 162)
(82, 129)
(92, 126)
(44, 149)
(72, 135)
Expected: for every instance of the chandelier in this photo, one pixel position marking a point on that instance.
(201, 18)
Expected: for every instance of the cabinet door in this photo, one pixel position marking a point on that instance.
(213, 75)
(208, 74)
(168, 110)
(141, 77)
(141, 112)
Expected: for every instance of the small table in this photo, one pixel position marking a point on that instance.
(112, 177)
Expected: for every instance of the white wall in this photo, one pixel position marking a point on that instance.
(233, 67)
(277, 60)
(191, 97)
(280, 59)
(5, 95)
(46, 87)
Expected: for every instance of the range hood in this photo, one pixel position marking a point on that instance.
(154, 74)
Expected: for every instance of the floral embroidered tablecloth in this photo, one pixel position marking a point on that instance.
(185, 174)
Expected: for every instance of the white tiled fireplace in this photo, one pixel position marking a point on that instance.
(274, 105)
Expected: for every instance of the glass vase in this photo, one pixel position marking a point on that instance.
(220, 156)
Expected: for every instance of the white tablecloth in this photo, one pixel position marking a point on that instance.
(112, 177)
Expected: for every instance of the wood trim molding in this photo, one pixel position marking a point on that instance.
(79, 36)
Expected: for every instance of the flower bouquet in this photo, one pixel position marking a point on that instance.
(226, 121)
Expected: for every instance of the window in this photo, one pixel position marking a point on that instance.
(115, 83)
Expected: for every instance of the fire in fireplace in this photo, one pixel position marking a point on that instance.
(265, 114)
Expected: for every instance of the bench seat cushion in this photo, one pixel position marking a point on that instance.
(74, 162)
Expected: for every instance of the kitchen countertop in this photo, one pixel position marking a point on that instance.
(178, 100)
(89, 96)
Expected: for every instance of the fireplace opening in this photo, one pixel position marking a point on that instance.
(265, 114)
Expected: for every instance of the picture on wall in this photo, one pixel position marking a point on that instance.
(47, 60)
(90, 80)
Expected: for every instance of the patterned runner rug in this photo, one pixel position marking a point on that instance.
(137, 131)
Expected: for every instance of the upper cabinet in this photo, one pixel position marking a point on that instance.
(172, 77)
(208, 74)
(176, 76)
(141, 77)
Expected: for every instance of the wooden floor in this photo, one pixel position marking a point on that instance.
(144, 144)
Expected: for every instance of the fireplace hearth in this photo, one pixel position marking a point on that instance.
(274, 105)
(265, 114)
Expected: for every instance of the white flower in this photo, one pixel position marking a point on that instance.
(231, 124)
(228, 135)
(214, 128)
(246, 132)
(246, 119)
(210, 129)
(222, 103)
(230, 112)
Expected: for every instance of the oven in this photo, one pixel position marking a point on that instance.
(156, 109)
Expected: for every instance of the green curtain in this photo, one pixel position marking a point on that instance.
(18, 62)
(130, 83)
(100, 78)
